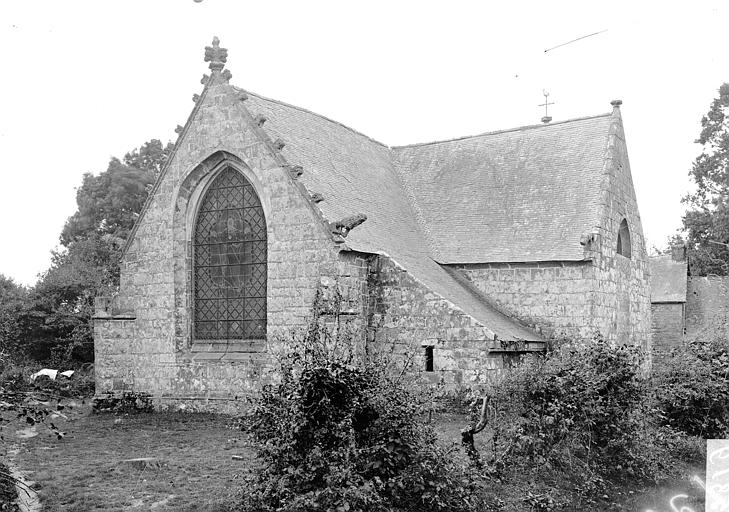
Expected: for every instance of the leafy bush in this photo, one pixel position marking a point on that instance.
(124, 403)
(39, 401)
(341, 434)
(15, 378)
(692, 387)
(581, 405)
(13, 298)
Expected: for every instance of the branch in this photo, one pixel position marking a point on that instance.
(467, 434)
(18, 483)
(718, 243)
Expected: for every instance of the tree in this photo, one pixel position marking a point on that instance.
(58, 315)
(62, 302)
(150, 157)
(12, 302)
(109, 204)
(707, 221)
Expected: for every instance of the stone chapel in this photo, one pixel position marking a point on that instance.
(462, 252)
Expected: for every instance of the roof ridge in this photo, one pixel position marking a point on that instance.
(508, 130)
(302, 109)
(518, 128)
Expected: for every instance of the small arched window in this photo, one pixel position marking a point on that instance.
(624, 239)
(230, 258)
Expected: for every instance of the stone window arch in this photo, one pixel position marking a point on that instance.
(624, 239)
(229, 261)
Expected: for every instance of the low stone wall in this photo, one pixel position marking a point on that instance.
(667, 329)
(706, 307)
(707, 303)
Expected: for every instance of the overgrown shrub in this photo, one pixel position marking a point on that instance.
(13, 299)
(581, 405)
(342, 434)
(692, 387)
(15, 378)
(129, 402)
(39, 401)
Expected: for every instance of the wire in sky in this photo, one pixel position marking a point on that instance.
(568, 42)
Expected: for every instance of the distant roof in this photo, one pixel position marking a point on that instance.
(356, 174)
(526, 194)
(668, 279)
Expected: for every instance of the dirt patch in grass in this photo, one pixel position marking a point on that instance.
(191, 468)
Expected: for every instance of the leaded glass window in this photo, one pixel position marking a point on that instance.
(230, 261)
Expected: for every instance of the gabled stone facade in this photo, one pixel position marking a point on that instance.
(604, 293)
(342, 221)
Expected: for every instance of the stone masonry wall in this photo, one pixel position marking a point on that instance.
(707, 303)
(622, 293)
(667, 325)
(154, 352)
(406, 316)
(554, 298)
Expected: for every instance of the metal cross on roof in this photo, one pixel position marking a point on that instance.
(547, 118)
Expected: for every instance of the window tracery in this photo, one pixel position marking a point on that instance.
(230, 261)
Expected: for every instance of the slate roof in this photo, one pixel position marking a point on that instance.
(668, 279)
(520, 195)
(356, 174)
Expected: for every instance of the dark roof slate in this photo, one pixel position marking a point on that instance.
(668, 279)
(520, 195)
(356, 174)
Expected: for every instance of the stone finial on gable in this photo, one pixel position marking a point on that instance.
(347, 224)
(179, 129)
(616, 107)
(216, 55)
(260, 119)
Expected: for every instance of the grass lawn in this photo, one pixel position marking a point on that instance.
(85, 471)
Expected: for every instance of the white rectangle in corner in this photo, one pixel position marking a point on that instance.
(717, 475)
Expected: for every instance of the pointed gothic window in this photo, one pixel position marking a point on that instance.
(230, 261)
(624, 239)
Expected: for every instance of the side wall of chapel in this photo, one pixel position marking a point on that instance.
(622, 293)
(404, 317)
